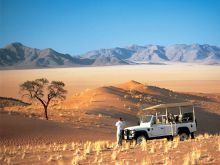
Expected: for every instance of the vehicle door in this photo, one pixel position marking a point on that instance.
(158, 128)
(170, 129)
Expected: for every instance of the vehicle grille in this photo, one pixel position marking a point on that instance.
(126, 132)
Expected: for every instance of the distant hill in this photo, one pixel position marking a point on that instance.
(18, 56)
(10, 102)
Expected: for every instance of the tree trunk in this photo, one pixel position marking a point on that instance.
(45, 112)
(45, 105)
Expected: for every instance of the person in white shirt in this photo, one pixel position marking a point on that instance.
(120, 127)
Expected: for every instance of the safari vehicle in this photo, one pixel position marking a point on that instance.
(164, 126)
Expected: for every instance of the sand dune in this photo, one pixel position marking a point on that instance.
(92, 113)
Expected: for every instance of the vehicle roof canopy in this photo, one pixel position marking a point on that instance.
(170, 105)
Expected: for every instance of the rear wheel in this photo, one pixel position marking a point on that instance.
(140, 140)
(184, 136)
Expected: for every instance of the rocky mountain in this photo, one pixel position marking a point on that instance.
(108, 60)
(151, 53)
(17, 55)
(114, 56)
(195, 53)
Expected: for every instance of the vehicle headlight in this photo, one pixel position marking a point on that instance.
(132, 131)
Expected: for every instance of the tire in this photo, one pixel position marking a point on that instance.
(140, 139)
(183, 136)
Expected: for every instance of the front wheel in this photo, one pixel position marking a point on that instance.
(183, 136)
(140, 140)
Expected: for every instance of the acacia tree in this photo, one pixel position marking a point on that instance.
(43, 91)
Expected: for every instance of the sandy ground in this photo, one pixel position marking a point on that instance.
(16, 129)
(181, 77)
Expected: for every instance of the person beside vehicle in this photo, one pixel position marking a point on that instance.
(120, 124)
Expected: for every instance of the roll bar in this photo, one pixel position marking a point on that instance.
(172, 105)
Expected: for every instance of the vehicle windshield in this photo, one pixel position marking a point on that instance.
(145, 119)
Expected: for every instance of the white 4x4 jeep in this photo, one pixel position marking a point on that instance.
(163, 126)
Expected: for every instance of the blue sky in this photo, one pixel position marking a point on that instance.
(77, 26)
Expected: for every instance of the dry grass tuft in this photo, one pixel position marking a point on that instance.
(126, 147)
(87, 148)
(186, 160)
(95, 160)
(175, 142)
(152, 150)
(77, 151)
(203, 136)
(65, 147)
(218, 144)
(192, 157)
(166, 149)
(100, 146)
(114, 155)
(144, 145)
(206, 136)
(23, 155)
(76, 159)
(145, 161)
(51, 158)
(100, 160)
(167, 161)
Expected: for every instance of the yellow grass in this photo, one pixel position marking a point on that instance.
(52, 158)
(76, 160)
(192, 157)
(144, 145)
(114, 155)
(218, 144)
(152, 149)
(104, 152)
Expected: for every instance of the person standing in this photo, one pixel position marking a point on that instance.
(120, 124)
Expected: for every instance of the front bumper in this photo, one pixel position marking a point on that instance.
(128, 134)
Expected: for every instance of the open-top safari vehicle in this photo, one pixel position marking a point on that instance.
(168, 125)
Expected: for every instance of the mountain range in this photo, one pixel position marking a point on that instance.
(18, 56)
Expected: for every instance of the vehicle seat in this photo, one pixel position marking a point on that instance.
(158, 121)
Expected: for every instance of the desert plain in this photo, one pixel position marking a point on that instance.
(81, 129)
(179, 77)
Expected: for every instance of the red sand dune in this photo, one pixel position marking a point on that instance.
(108, 102)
